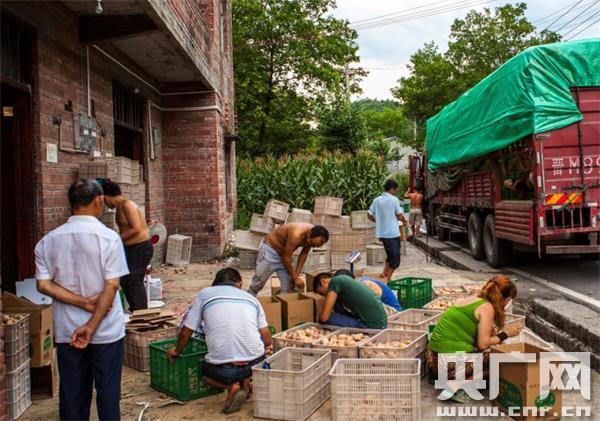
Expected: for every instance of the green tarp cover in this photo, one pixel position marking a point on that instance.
(527, 94)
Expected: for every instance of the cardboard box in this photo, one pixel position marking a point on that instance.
(275, 286)
(44, 381)
(520, 385)
(295, 309)
(40, 327)
(272, 309)
(318, 303)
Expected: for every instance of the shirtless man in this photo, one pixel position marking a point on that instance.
(416, 214)
(275, 254)
(138, 249)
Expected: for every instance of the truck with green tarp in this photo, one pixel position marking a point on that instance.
(516, 159)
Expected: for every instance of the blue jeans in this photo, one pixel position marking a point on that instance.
(345, 320)
(80, 370)
(229, 373)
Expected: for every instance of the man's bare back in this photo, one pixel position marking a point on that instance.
(416, 199)
(288, 237)
(124, 225)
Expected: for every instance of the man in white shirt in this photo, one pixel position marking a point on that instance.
(236, 332)
(79, 265)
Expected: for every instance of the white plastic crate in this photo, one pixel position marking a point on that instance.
(414, 319)
(179, 250)
(328, 205)
(375, 255)
(16, 340)
(346, 351)
(281, 340)
(450, 291)
(376, 389)
(338, 262)
(473, 288)
(441, 303)
(277, 210)
(295, 385)
(18, 387)
(332, 223)
(137, 352)
(248, 259)
(261, 224)
(317, 260)
(528, 337)
(246, 240)
(415, 344)
(368, 235)
(300, 215)
(360, 219)
(348, 241)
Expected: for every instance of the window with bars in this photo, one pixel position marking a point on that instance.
(128, 108)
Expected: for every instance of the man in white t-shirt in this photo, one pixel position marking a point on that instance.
(236, 333)
(79, 265)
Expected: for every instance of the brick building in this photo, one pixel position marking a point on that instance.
(152, 79)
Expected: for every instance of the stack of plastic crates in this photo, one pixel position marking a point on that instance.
(376, 389)
(182, 377)
(16, 351)
(291, 384)
(412, 292)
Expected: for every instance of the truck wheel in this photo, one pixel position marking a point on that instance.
(475, 234)
(497, 250)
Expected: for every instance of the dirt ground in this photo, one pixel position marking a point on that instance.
(180, 286)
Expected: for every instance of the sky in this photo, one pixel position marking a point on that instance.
(385, 50)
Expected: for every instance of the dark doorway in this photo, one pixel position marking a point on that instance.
(129, 142)
(17, 223)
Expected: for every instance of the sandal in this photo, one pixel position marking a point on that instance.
(461, 397)
(236, 402)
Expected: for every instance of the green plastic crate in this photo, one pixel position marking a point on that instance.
(412, 292)
(406, 207)
(182, 377)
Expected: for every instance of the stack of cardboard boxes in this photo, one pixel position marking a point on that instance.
(41, 345)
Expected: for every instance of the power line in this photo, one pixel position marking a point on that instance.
(584, 29)
(592, 16)
(548, 17)
(579, 14)
(422, 14)
(363, 21)
(560, 17)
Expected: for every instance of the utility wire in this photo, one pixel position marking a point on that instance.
(361, 21)
(578, 15)
(418, 15)
(579, 24)
(584, 29)
(560, 17)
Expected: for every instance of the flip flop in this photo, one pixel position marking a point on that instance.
(236, 402)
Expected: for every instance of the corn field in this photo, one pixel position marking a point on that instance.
(297, 180)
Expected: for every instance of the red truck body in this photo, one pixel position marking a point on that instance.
(562, 215)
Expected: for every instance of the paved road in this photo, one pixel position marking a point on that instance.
(568, 271)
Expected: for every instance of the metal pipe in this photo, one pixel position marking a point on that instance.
(87, 70)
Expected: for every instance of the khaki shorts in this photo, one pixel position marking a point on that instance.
(415, 217)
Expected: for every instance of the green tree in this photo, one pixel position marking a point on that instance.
(385, 119)
(288, 57)
(342, 127)
(479, 44)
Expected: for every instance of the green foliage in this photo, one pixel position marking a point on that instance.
(342, 127)
(385, 119)
(297, 180)
(288, 57)
(479, 44)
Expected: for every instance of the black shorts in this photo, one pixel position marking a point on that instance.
(392, 251)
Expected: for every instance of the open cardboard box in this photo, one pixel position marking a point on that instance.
(40, 327)
(272, 309)
(295, 309)
(318, 301)
(520, 385)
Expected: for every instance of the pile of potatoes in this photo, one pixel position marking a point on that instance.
(440, 304)
(341, 340)
(308, 335)
(449, 290)
(11, 319)
(383, 349)
(473, 289)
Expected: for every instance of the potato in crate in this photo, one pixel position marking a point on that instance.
(301, 336)
(376, 389)
(344, 343)
(392, 343)
(181, 378)
(441, 303)
(291, 384)
(450, 291)
(414, 319)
